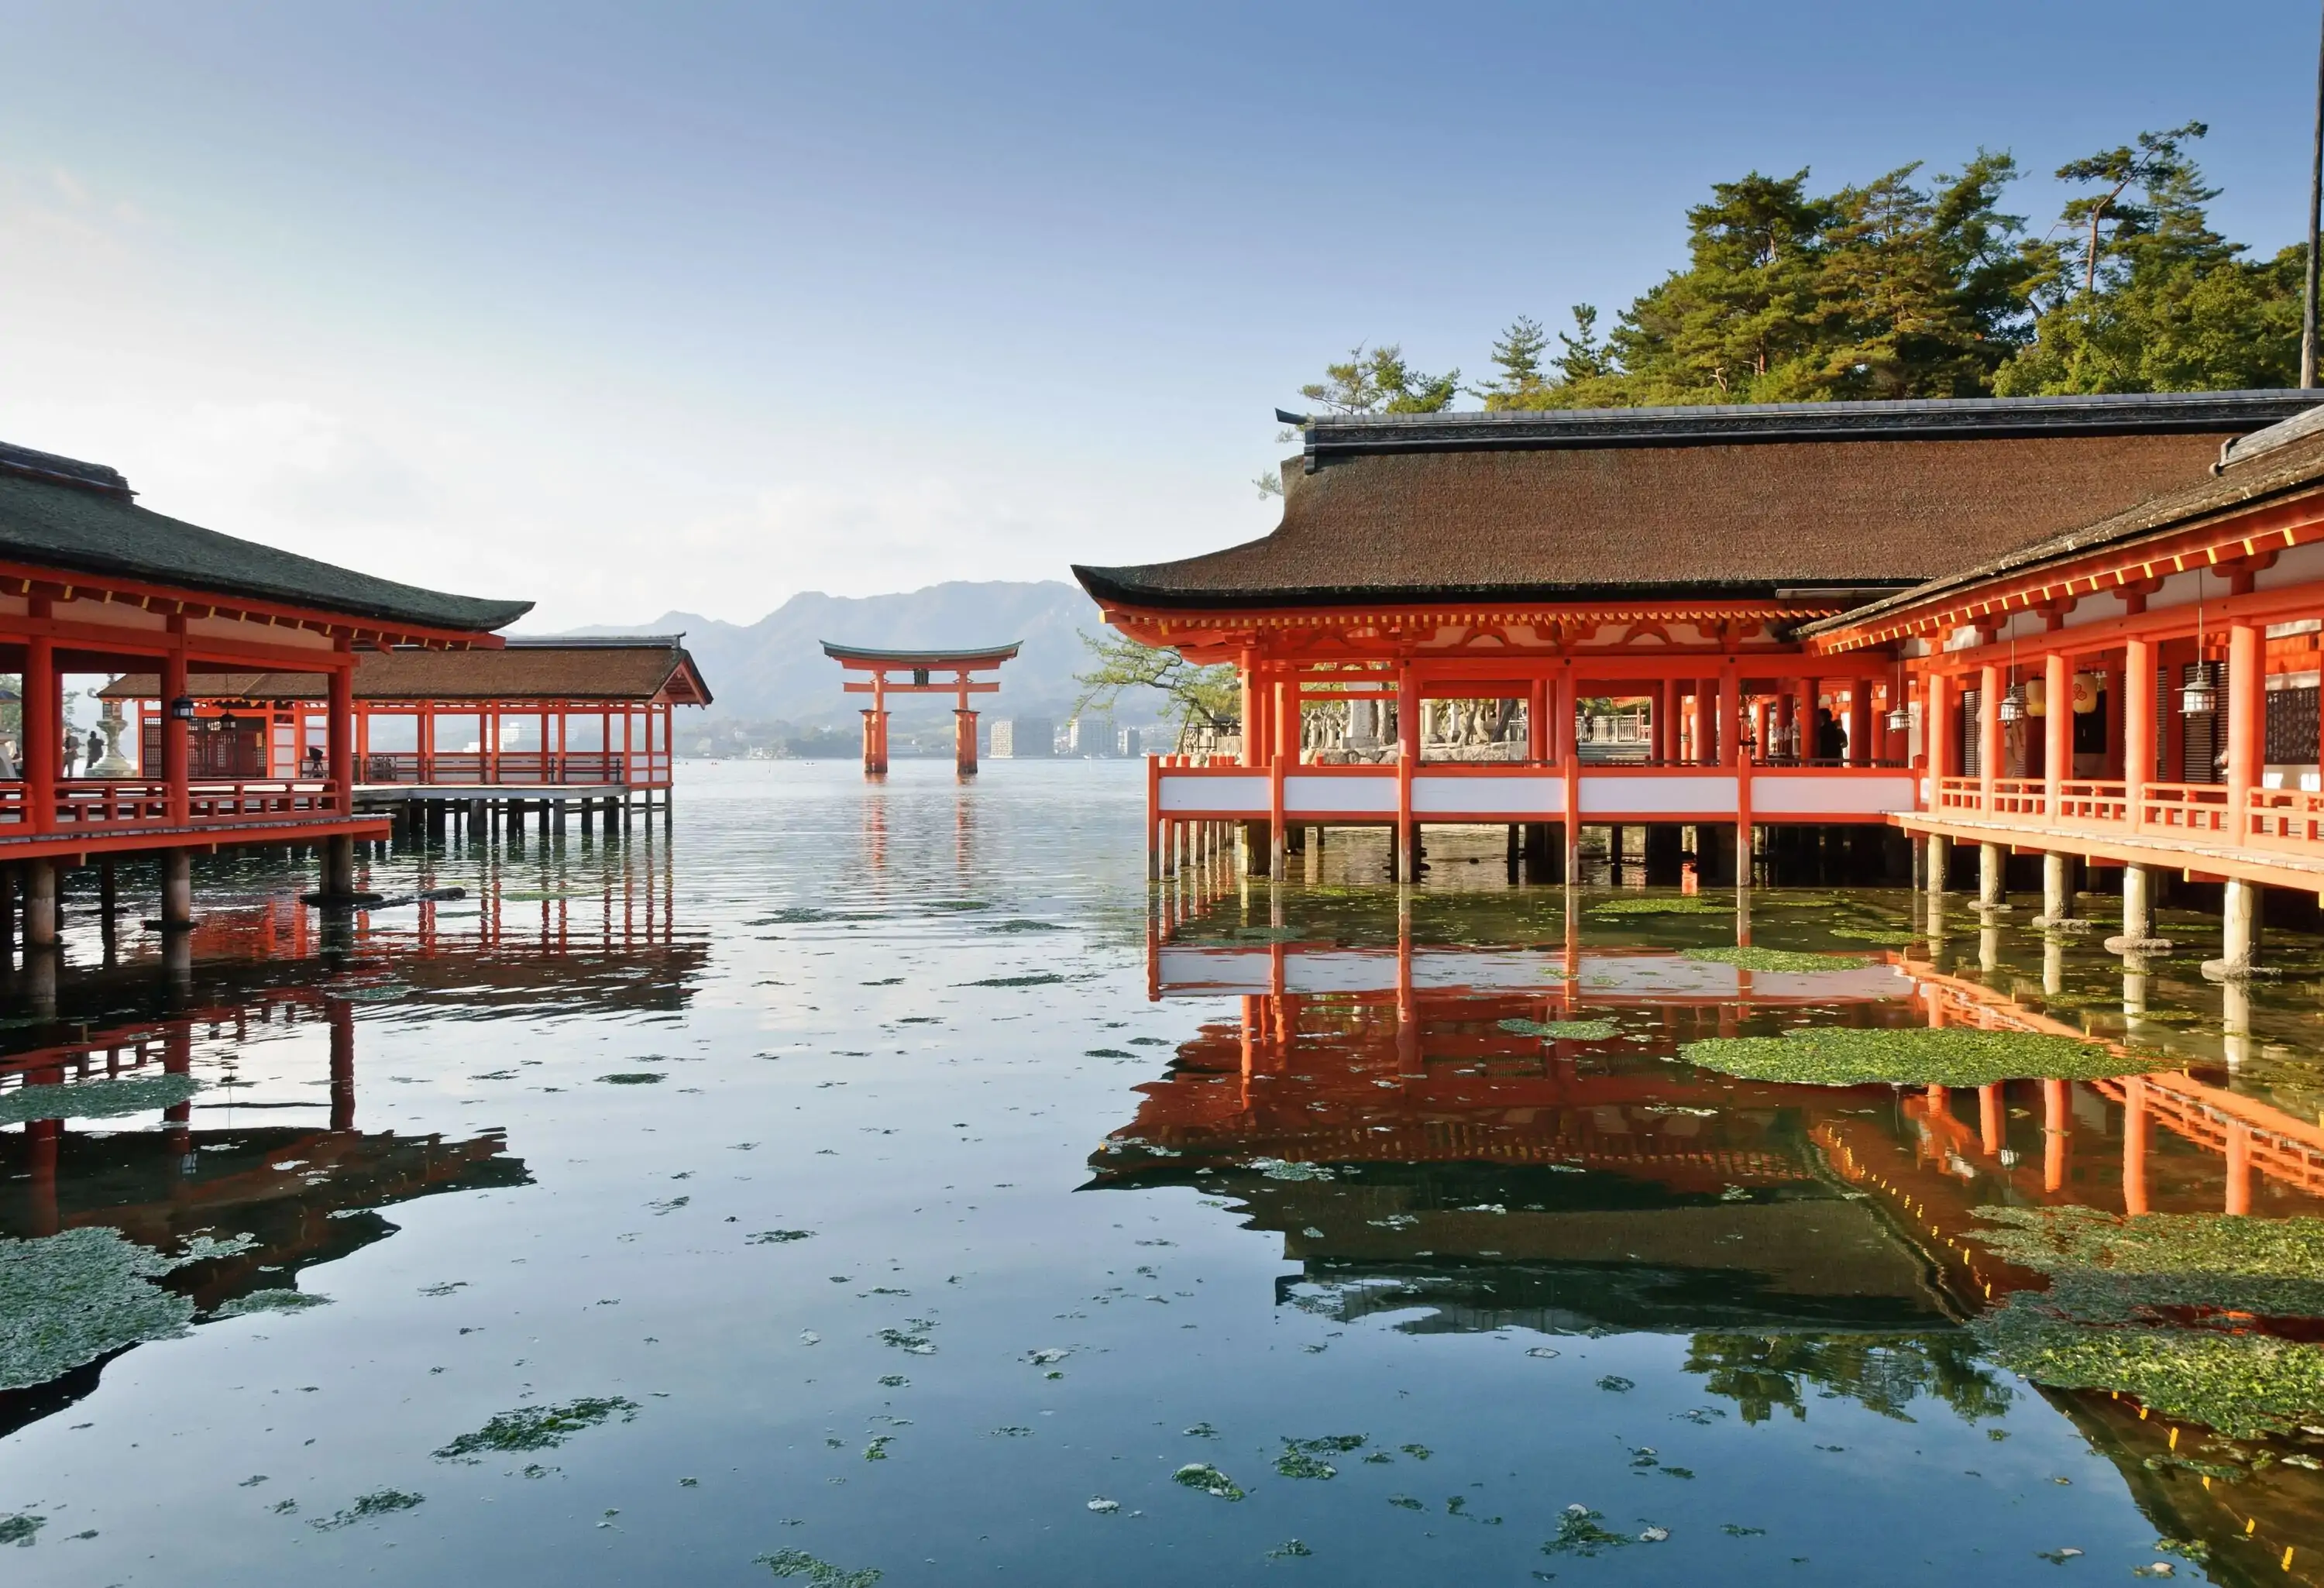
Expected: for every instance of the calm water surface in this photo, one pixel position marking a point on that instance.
(864, 1181)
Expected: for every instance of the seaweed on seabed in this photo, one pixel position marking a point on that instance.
(381, 1503)
(1561, 1031)
(1663, 904)
(97, 1100)
(539, 1428)
(1950, 1056)
(2170, 1309)
(70, 1298)
(1776, 959)
(819, 1573)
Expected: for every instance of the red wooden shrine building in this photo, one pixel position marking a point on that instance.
(90, 582)
(1454, 606)
(584, 719)
(914, 672)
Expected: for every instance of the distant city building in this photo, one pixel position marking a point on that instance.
(1126, 741)
(1091, 735)
(1023, 738)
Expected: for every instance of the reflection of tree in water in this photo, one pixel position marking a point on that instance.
(1885, 1374)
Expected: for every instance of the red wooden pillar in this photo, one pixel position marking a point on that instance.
(2137, 727)
(2247, 723)
(1988, 734)
(1859, 722)
(339, 735)
(1541, 744)
(1250, 711)
(1988, 1119)
(1407, 759)
(2133, 1145)
(43, 747)
(2057, 730)
(175, 775)
(1569, 756)
(1723, 738)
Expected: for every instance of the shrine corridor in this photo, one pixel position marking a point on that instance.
(884, 1181)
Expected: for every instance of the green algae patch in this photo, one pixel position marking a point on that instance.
(1019, 926)
(817, 1573)
(1561, 1031)
(631, 1078)
(1905, 1057)
(2168, 1308)
(1675, 904)
(264, 1301)
(97, 1100)
(1202, 1476)
(70, 1299)
(539, 1428)
(2244, 1385)
(1776, 959)
(381, 1503)
(1882, 937)
(1040, 979)
(778, 1237)
(1583, 1532)
(19, 1529)
(2240, 1256)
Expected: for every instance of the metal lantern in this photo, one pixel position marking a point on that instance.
(182, 708)
(1900, 720)
(2013, 703)
(2200, 696)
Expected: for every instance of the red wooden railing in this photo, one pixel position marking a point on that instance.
(629, 768)
(110, 806)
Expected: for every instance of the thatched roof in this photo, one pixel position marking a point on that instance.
(1740, 501)
(2271, 466)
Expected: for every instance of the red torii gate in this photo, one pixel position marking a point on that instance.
(922, 666)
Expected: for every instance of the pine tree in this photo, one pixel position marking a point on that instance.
(1517, 355)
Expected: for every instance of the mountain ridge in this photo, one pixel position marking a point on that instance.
(774, 670)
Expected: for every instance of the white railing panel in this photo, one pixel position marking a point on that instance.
(1775, 794)
(1709, 795)
(1365, 795)
(1539, 794)
(1240, 794)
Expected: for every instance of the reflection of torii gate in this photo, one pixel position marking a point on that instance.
(921, 665)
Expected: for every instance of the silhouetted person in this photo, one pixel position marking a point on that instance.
(1831, 738)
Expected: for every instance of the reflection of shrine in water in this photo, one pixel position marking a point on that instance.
(1473, 1137)
(300, 1179)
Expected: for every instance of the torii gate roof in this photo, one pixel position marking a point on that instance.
(967, 656)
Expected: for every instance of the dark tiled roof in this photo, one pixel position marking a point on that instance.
(56, 512)
(2270, 465)
(1695, 503)
(597, 668)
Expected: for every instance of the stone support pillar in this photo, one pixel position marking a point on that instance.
(1992, 876)
(178, 888)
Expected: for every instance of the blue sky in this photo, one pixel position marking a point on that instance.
(694, 306)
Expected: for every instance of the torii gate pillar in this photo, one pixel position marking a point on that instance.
(963, 740)
(875, 728)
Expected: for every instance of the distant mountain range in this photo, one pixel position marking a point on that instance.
(775, 670)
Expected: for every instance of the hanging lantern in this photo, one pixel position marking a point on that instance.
(2037, 697)
(2200, 694)
(1900, 720)
(2013, 703)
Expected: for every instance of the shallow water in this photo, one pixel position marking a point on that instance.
(883, 1177)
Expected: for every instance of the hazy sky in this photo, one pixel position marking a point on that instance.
(628, 307)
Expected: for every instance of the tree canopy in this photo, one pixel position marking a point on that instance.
(1906, 286)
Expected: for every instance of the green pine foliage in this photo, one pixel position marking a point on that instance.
(1906, 287)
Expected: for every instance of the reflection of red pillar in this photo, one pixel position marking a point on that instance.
(341, 1015)
(177, 1059)
(2133, 1145)
(41, 1138)
(1988, 1119)
(2054, 1135)
(2238, 1169)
